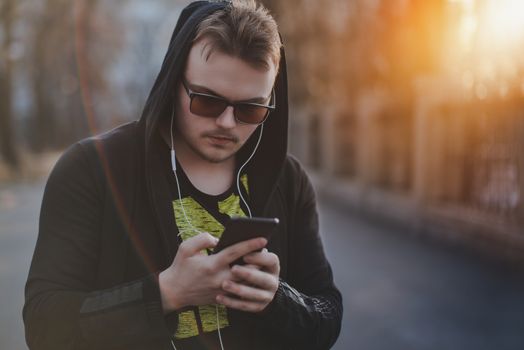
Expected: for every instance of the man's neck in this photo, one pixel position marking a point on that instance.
(210, 180)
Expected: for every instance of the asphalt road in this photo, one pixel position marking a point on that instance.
(399, 292)
(19, 208)
(405, 293)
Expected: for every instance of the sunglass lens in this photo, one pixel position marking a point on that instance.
(250, 114)
(207, 106)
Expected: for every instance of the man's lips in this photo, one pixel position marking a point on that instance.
(222, 139)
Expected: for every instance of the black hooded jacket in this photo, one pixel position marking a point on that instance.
(107, 230)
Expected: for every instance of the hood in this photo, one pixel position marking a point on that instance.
(265, 166)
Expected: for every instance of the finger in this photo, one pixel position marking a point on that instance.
(247, 266)
(252, 266)
(195, 244)
(242, 305)
(266, 261)
(238, 250)
(260, 279)
(247, 293)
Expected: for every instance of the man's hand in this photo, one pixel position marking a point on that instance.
(252, 287)
(195, 278)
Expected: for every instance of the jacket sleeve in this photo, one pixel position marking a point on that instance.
(307, 308)
(62, 310)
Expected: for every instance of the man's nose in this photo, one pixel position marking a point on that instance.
(227, 119)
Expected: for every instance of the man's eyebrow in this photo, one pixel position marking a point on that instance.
(203, 89)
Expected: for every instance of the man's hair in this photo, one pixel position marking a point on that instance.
(243, 29)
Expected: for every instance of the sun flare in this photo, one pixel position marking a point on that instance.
(488, 39)
(491, 23)
(502, 23)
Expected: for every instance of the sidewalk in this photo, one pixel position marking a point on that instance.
(454, 225)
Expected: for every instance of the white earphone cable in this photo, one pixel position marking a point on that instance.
(173, 166)
(242, 167)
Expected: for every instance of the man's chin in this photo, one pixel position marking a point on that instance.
(214, 154)
(217, 157)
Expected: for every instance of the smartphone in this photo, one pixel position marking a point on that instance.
(239, 229)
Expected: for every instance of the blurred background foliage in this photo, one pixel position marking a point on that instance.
(70, 69)
(419, 101)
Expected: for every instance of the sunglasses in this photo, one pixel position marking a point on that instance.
(211, 106)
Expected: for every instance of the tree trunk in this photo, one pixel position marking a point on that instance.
(84, 15)
(7, 137)
(43, 124)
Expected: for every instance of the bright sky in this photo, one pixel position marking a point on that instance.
(493, 24)
(489, 42)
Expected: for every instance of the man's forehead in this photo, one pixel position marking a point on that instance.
(222, 72)
(206, 49)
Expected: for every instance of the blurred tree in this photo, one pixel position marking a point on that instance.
(43, 123)
(346, 46)
(71, 51)
(7, 138)
(69, 69)
(340, 51)
(305, 27)
(89, 79)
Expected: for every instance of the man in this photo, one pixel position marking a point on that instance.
(128, 217)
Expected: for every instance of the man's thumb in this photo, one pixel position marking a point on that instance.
(195, 244)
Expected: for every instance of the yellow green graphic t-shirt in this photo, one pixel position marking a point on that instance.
(206, 213)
